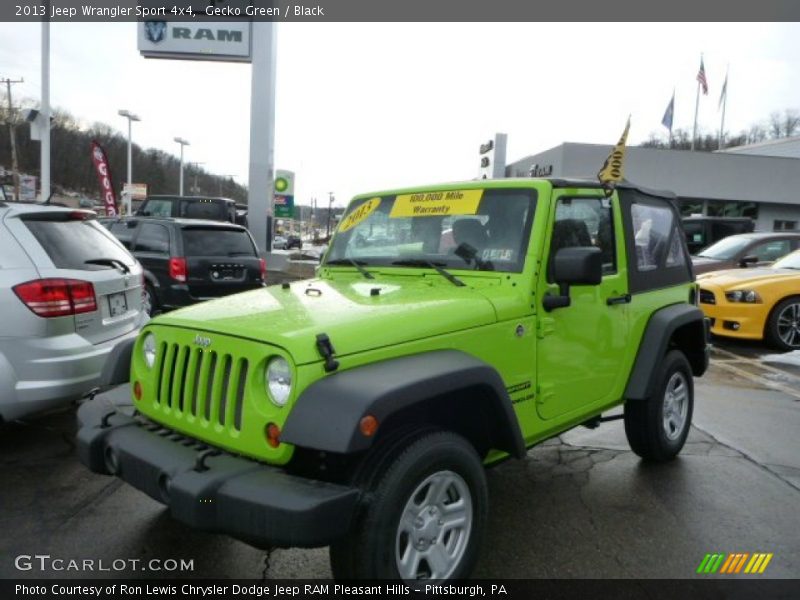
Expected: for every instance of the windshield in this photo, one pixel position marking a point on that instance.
(459, 229)
(791, 261)
(725, 249)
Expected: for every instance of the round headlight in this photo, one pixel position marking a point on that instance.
(279, 381)
(149, 350)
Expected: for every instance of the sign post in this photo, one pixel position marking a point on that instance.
(233, 41)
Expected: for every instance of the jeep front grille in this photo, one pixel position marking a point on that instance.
(707, 297)
(202, 383)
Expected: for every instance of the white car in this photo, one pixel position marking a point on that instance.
(69, 293)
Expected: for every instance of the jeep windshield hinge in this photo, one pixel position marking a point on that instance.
(326, 350)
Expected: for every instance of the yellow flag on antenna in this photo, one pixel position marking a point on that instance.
(613, 170)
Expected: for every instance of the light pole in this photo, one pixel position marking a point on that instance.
(131, 117)
(183, 143)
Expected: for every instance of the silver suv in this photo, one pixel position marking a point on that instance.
(69, 292)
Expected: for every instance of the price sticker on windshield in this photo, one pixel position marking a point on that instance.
(437, 204)
(359, 214)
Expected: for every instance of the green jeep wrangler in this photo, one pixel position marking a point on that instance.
(449, 327)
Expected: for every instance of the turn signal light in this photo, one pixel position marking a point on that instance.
(137, 390)
(273, 435)
(368, 426)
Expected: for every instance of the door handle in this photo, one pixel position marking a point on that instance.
(624, 299)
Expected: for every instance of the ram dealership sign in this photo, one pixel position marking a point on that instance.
(204, 40)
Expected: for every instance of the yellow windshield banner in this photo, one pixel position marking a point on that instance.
(613, 170)
(359, 214)
(437, 204)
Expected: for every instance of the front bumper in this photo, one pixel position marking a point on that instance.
(736, 319)
(254, 502)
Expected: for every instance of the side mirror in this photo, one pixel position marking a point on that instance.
(573, 266)
(748, 260)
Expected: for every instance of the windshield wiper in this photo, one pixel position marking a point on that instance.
(111, 262)
(418, 262)
(355, 263)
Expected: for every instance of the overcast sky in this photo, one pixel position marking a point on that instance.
(374, 106)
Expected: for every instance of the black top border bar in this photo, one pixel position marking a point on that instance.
(399, 10)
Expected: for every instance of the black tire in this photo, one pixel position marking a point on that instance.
(783, 325)
(406, 476)
(649, 434)
(149, 299)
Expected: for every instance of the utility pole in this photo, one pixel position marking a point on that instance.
(196, 165)
(330, 212)
(12, 135)
(221, 179)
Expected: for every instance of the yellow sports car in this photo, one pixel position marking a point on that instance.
(755, 304)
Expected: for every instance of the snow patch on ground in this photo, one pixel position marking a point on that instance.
(789, 358)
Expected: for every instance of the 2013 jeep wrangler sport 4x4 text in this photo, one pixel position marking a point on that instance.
(448, 328)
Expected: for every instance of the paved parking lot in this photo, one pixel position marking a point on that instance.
(581, 505)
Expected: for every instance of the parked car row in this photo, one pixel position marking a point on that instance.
(72, 287)
(749, 287)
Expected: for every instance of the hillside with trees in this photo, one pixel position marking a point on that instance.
(72, 170)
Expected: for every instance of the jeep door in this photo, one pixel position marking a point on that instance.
(580, 346)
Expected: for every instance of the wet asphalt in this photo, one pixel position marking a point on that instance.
(581, 505)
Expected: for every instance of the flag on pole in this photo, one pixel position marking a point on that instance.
(701, 78)
(613, 170)
(666, 121)
(723, 94)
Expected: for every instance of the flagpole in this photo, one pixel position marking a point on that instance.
(673, 118)
(724, 105)
(696, 106)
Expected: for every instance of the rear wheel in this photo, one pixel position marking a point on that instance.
(783, 325)
(149, 300)
(423, 517)
(657, 427)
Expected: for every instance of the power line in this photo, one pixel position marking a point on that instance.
(12, 135)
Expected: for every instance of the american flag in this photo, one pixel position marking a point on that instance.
(701, 77)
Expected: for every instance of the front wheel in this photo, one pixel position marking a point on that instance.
(657, 427)
(423, 519)
(783, 326)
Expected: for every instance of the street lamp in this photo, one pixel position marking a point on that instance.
(131, 117)
(183, 143)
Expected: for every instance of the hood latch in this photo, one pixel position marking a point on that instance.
(327, 351)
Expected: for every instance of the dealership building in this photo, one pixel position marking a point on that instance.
(760, 181)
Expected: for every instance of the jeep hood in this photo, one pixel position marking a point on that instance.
(747, 277)
(346, 310)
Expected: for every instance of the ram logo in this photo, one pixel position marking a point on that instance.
(201, 341)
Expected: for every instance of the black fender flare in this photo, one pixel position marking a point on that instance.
(681, 324)
(326, 416)
(117, 368)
